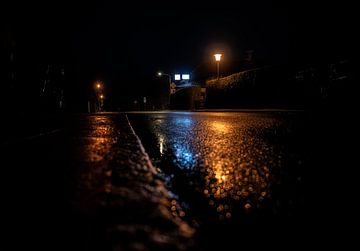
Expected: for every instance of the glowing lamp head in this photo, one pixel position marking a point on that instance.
(217, 57)
(101, 96)
(159, 73)
(98, 86)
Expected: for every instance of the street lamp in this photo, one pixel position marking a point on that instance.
(98, 103)
(101, 101)
(169, 76)
(98, 85)
(217, 59)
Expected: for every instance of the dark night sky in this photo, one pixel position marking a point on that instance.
(126, 45)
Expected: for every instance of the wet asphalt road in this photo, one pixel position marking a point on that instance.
(86, 185)
(83, 184)
(238, 177)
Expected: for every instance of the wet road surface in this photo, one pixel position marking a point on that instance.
(238, 177)
(87, 185)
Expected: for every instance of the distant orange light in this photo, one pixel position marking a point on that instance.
(101, 96)
(98, 85)
(217, 57)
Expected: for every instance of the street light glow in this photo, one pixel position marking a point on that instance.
(217, 57)
(101, 96)
(159, 74)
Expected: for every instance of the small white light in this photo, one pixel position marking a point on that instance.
(177, 77)
(185, 76)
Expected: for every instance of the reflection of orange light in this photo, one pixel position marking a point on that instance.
(98, 141)
(241, 181)
(218, 174)
(108, 187)
(220, 126)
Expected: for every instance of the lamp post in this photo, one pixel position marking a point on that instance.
(99, 103)
(217, 59)
(169, 76)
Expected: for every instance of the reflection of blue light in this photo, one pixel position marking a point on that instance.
(184, 157)
(183, 121)
(184, 113)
